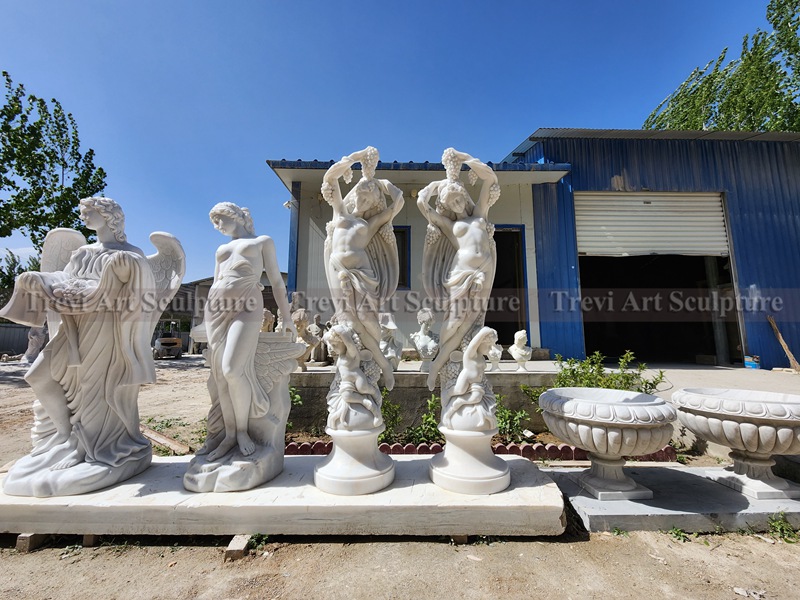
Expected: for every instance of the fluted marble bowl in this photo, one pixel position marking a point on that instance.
(754, 425)
(609, 424)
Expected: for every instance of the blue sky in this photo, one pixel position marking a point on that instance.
(184, 101)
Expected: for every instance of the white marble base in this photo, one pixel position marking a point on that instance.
(234, 471)
(768, 488)
(597, 487)
(355, 466)
(468, 465)
(606, 480)
(155, 503)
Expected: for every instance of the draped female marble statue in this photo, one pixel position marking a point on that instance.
(233, 318)
(459, 257)
(101, 301)
(362, 267)
(250, 369)
(361, 262)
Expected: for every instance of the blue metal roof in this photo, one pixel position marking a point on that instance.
(412, 166)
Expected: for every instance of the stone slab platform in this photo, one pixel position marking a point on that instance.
(155, 503)
(682, 497)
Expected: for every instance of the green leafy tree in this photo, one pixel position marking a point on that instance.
(10, 266)
(758, 91)
(43, 173)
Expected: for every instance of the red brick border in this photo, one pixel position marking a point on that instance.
(535, 451)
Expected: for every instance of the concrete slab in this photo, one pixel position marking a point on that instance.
(682, 497)
(155, 503)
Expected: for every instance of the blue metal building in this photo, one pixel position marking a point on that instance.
(756, 176)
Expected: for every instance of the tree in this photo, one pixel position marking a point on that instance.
(11, 266)
(43, 173)
(759, 91)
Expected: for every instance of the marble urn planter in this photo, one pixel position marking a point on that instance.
(754, 425)
(609, 424)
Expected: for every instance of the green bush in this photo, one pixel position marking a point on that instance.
(391, 418)
(509, 422)
(591, 372)
(428, 430)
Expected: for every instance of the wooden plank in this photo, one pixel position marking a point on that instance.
(792, 360)
(28, 542)
(90, 540)
(177, 447)
(237, 548)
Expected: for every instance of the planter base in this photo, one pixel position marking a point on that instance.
(606, 480)
(752, 476)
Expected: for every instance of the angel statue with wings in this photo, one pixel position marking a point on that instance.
(459, 257)
(249, 381)
(101, 302)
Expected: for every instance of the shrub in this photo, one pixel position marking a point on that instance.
(509, 422)
(591, 372)
(391, 419)
(428, 430)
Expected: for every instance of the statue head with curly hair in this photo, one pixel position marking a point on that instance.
(240, 215)
(365, 198)
(454, 197)
(110, 211)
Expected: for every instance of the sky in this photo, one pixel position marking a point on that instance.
(183, 101)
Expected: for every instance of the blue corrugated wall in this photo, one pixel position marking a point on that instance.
(560, 322)
(761, 186)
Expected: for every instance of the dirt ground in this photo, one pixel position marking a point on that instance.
(576, 565)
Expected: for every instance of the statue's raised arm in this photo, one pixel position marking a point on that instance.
(459, 257)
(361, 262)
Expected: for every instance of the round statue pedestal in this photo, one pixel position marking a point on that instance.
(467, 465)
(355, 466)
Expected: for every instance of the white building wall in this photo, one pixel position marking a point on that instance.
(513, 208)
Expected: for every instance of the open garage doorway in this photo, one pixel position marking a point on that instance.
(508, 312)
(664, 308)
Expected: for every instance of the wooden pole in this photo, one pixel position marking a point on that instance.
(792, 360)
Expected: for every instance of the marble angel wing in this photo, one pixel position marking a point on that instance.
(276, 359)
(169, 266)
(59, 244)
(58, 247)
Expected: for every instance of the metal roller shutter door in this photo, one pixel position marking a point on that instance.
(635, 224)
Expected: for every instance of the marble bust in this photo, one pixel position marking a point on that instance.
(519, 350)
(425, 341)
